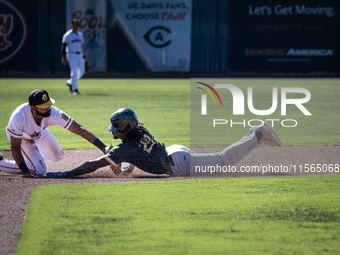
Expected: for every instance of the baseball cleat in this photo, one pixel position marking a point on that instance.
(1, 157)
(266, 142)
(269, 137)
(57, 174)
(70, 87)
(76, 92)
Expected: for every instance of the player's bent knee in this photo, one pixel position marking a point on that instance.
(41, 170)
(40, 175)
(59, 156)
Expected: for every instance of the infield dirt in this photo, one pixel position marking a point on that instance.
(16, 191)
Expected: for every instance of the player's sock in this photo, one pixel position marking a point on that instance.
(259, 135)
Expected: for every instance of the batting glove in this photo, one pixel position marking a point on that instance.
(125, 171)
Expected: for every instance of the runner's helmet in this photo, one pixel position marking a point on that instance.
(123, 120)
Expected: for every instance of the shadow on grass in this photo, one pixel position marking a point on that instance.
(99, 94)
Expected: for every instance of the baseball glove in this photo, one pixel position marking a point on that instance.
(87, 66)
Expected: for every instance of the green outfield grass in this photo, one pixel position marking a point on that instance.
(212, 216)
(163, 105)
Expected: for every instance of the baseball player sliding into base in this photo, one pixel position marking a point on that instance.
(31, 141)
(140, 149)
(72, 50)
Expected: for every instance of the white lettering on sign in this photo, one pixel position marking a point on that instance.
(291, 10)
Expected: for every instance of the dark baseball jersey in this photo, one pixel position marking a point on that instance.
(148, 155)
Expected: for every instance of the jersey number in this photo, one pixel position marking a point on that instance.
(147, 143)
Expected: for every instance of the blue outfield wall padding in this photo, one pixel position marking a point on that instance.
(209, 35)
(226, 35)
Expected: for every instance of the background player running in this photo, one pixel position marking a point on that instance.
(73, 51)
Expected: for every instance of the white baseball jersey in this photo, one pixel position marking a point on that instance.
(22, 124)
(73, 41)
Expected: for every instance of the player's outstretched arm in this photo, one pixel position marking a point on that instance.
(84, 133)
(87, 167)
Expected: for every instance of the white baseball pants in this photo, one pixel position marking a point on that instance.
(34, 153)
(77, 68)
(186, 161)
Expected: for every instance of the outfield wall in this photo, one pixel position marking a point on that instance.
(246, 36)
(291, 35)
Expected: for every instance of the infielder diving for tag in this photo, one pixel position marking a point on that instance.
(73, 50)
(30, 139)
(139, 148)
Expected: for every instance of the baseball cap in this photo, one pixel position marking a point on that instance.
(40, 98)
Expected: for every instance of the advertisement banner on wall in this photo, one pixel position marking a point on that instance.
(291, 36)
(158, 31)
(91, 15)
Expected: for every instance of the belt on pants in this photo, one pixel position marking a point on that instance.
(171, 163)
(76, 52)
